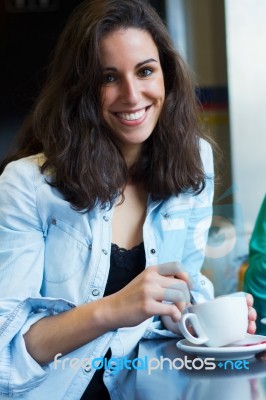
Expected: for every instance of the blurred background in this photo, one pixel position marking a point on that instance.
(224, 43)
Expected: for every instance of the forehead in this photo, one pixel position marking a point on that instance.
(130, 44)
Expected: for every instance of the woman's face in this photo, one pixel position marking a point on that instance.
(133, 86)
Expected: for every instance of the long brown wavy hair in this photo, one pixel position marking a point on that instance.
(67, 126)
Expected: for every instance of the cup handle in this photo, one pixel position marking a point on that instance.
(192, 318)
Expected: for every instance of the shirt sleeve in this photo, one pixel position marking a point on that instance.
(255, 276)
(21, 272)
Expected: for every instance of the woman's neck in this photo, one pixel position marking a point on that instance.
(131, 153)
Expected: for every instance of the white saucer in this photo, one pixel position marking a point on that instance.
(236, 351)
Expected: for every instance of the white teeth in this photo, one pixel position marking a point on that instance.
(132, 116)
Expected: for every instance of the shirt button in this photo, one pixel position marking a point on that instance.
(153, 251)
(95, 292)
(166, 215)
(105, 218)
(86, 369)
(53, 221)
(113, 366)
(105, 252)
(90, 246)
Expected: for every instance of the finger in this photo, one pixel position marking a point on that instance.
(252, 314)
(252, 327)
(169, 268)
(173, 291)
(173, 268)
(171, 282)
(181, 289)
(249, 299)
(184, 276)
(182, 306)
(168, 309)
(176, 296)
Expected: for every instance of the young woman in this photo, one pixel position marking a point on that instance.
(110, 181)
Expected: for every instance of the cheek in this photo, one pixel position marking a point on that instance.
(105, 95)
(108, 99)
(163, 90)
(159, 90)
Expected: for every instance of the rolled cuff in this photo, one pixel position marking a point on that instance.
(19, 372)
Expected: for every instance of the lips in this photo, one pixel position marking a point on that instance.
(132, 116)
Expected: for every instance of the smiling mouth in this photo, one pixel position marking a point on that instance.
(132, 116)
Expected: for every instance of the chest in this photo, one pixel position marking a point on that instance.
(128, 217)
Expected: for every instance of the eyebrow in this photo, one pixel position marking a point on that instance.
(146, 62)
(137, 66)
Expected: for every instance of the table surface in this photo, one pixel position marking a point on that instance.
(245, 381)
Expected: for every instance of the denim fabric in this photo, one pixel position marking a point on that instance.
(53, 258)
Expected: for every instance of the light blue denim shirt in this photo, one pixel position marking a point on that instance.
(53, 258)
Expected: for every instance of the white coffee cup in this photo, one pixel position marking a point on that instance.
(217, 322)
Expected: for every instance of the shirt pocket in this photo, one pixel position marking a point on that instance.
(66, 252)
(175, 220)
(172, 234)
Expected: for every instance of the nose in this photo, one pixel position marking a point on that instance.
(130, 91)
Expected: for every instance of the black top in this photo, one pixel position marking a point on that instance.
(125, 265)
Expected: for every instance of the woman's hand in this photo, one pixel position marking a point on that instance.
(158, 290)
(252, 315)
(142, 298)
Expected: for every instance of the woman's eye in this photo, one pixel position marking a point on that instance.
(107, 79)
(145, 72)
